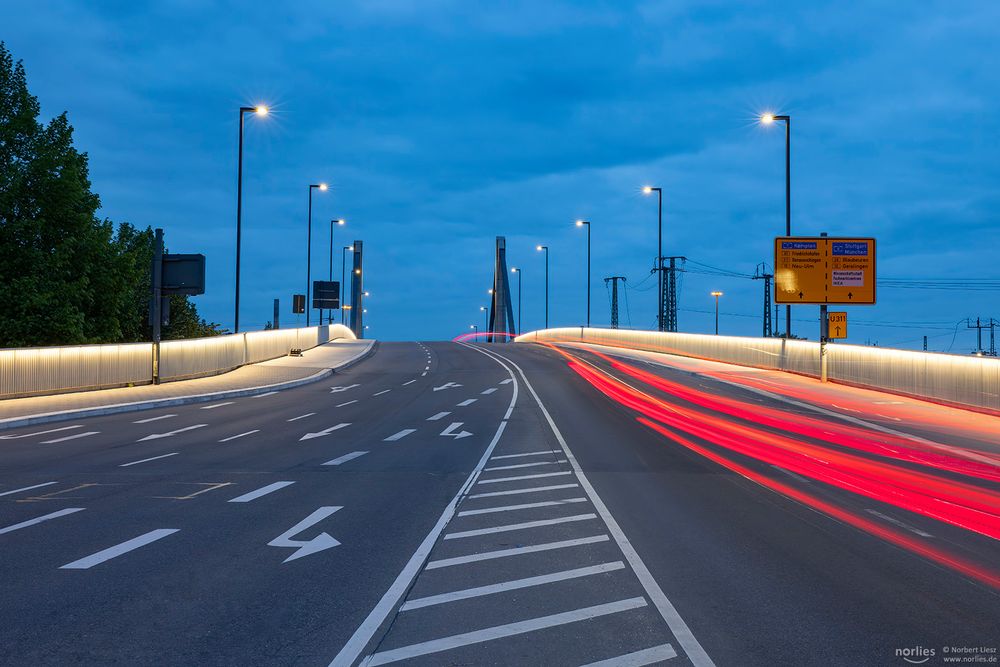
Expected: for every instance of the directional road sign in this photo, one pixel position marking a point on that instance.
(836, 325)
(824, 269)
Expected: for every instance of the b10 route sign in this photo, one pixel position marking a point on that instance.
(824, 270)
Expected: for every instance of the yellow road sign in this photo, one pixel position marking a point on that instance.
(824, 269)
(836, 325)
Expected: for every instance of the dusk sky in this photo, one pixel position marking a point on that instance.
(440, 125)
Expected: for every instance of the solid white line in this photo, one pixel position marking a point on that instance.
(524, 506)
(519, 477)
(347, 403)
(384, 391)
(270, 393)
(409, 382)
(501, 631)
(402, 434)
(639, 658)
(519, 526)
(262, 491)
(119, 549)
(899, 523)
(69, 437)
(153, 419)
(216, 405)
(344, 459)
(515, 456)
(163, 456)
(45, 517)
(515, 551)
(525, 465)
(513, 585)
(233, 437)
(468, 401)
(533, 489)
(51, 430)
(434, 418)
(488, 391)
(27, 488)
(308, 414)
(694, 650)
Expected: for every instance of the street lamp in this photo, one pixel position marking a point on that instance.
(309, 232)
(260, 110)
(475, 328)
(659, 252)
(546, 249)
(716, 295)
(343, 262)
(581, 223)
(518, 272)
(484, 309)
(341, 222)
(769, 119)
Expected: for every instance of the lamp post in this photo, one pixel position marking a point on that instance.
(329, 314)
(659, 253)
(484, 309)
(768, 119)
(475, 328)
(581, 223)
(546, 249)
(260, 110)
(518, 272)
(343, 261)
(716, 295)
(309, 235)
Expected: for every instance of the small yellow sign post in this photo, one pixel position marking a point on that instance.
(836, 325)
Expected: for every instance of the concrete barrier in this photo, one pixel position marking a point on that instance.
(967, 381)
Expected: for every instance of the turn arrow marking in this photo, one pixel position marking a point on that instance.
(337, 390)
(458, 436)
(306, 547)
(326, 431)
(447, 385)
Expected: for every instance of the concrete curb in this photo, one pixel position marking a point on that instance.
(100, 410)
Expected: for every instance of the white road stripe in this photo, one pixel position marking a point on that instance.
(163, 456)
(515, 551)
(525, 465)
(157, 436)
(347, 403)
(532, 489)
(519, 526)
(468, 401)
(27, 488)
(523, 506)
(384, 391)
(69, 437)
(344, 459)
(501, 631)
(515, 456)
(507, 381)
(262, 491)
(408, 382)
(36, 520)
(519, 477)
(434, 418)
(119, 549)
(899, 523)
(153, 419)
(402, 434)
(270, 393)
(51, 430)
(295, 419)
(488, 391)
(513, 585)
(217, 405)
(639, 658)
(423, 374)
(233, 437)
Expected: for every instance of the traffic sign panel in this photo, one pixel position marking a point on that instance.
(822, 269)
(836, 326)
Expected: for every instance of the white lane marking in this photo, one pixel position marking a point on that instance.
(518, 526)
(302, 548)
(153, 419)
(69, 437)
(517, 456)
(694, 650)
(804, 480)
(340, 405)
(513, 585)
(427, 368)
(447, 385)
(217, 405)
(337, 390)
(233, 437)
(507, 381)
(520, 477)
(119, 549)
(351, 650)
(270, 393)
(384, 391)
(344, 459)
(638, 658)
(44, 517)
(501, 631)
(294, 419)
(525, 465)
(899, 523)
(434, 418)
(157, 436)
(401, 434)
(51, 430)
(488, 391)
(27, 488)
(409, 382)
(468, 401)
(840, 407)
(533, 489)
(162, 456)
(450, 431)
(423, 374)
(326, 431)
(523, 506)
(515, 551)
(262, 491)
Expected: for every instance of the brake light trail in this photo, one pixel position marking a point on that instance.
(470, 336)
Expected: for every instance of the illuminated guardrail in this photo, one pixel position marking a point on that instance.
(949, 378)
(50, 370)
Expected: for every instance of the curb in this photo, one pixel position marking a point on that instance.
(116, 408)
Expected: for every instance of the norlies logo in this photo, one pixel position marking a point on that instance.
(916, 655)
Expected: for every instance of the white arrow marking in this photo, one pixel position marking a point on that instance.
(457, 436)
(447, 385)
(28, 435)
(155, 436)
(337, 390)
(326, 431)
(306, 547)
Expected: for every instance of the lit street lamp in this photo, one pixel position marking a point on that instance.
(335, 221)
(716, 295)
(518, 272)
(581, 223)
(260, 110)
(475, 328)
(659, 253)
(486, 310)
(343, 262)
(309, 235)
(546, 249)
(768, 119)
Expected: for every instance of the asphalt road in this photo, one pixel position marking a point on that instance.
(442, 504)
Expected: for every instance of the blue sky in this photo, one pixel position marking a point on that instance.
(442, 124)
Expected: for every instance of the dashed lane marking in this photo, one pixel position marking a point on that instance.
(69, 437)
(515, 551)
(308, 414)
(384, 391)
(468, 401)
(434, 418)
(233, 437)
(340, 405)
(486, 392)
(119, 549)
(401, 434)
(153, 419)
(262, 491)
(217, 405)
(344, 459)
(154, 458)
(507, 381)
(39, 519)
(408, 382)
(270, 393)
(519, 526)
(26, 488)
(897, 522)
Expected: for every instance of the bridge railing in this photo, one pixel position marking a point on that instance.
(949, 378)
(50, 370)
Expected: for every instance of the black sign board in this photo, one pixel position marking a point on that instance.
(183, 274)
(298, 304)
(326, 294)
